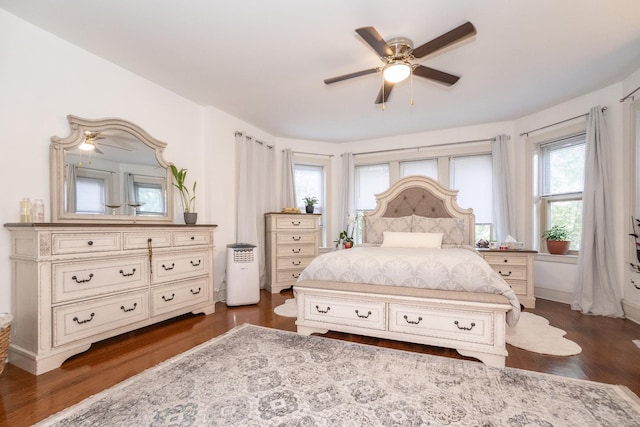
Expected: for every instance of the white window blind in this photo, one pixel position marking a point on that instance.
(369, 181)
(472, 177)
(427, 167)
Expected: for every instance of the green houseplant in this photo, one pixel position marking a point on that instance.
(557, 240)
(309, 203)
(187, 197)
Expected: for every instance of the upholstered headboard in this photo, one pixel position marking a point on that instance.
(422, 196)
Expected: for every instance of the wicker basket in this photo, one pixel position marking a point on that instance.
(5, 334)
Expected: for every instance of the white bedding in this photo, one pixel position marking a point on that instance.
(455, 269)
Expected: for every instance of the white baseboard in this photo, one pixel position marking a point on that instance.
(553, 295)
(631, 311)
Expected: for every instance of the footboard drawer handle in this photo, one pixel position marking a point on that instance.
(413, 322)
(634, 285)
(295, 223)
(194, 264)
(296, 262)
(195, 292)
(295, 275)
(296, 251)
(504, 274)
(165, 299)
(363, 316)
(128, 274)
(323, 311)
(126, 310)
(296, 238)
(90, 243)
(173, 264)
(80, 322)
(464, 328)
(83, 280)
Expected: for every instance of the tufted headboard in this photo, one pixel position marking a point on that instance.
(422, 196)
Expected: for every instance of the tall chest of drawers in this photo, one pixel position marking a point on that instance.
(75, 284)
(516, 268)
(292, 241)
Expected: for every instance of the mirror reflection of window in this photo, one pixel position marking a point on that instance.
(90, 195)
(152, 195)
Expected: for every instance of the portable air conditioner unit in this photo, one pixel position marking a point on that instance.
(243, 275)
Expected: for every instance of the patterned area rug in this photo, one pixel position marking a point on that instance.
(255, 376)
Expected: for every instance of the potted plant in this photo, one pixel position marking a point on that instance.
(309, 203)
(344, 240)
(636, 237)
(557, 240)
(187, 197)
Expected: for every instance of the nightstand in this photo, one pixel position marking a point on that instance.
(516, 268)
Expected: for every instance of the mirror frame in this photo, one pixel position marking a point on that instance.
(78, 127)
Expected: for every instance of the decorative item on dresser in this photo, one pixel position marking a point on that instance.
(292, 242)
(516, 268)
(75, 284)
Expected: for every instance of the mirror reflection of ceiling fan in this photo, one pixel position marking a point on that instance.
(91, 143)
(400, 57)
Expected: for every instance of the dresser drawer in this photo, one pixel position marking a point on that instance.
(85, 279)
(518, 286)
(82, 320)
(288, 276)
(345, 311)
(302, 237)
(179, 265)
(451, 324)
(296, 223)
(293, 263)
(506, 259)
(175, 296)
(514, 272)
(141, 240)
(301, 250)
(75, 243)
(189, 238)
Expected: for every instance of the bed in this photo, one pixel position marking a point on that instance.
(442, 294)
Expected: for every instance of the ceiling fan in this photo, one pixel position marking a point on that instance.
(400, 57)
(90, 143)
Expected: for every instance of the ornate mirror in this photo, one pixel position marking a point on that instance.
(109, 170)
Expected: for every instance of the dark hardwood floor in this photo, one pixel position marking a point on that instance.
(608, 355)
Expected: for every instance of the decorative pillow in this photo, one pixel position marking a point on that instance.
(453, 229)
(412, 240)
(375, 226)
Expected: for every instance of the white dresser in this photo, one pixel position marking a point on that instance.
(292, 242)
(75, 284)
(516, 268)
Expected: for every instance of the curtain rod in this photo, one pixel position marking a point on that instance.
(238, 133)
(630, 95)
(310, 154)
(424, 146)
(557, 123)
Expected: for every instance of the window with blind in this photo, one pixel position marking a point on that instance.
(472, 176)
(562, 165)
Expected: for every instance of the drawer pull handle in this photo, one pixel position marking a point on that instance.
(195, 292)
(81, 322)
(323, 311)
(83, 280)
(126, 310)
(296, 251)
(464, 328)
(296, 262)
(412, 322)
(128, 274)
(90, 243)
(193, 237)
(363, 316)
(504, 275)
(296, 238)
(634, 285)
(194, 264)
(295, 275)
(173, 264)
(165, 299)
(295, 223)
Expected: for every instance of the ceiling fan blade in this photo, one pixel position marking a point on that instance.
(375, 40)
(384, 91)
(97, 150)
(437, 75)
(350, 76)
(459, 33)
(115, 146)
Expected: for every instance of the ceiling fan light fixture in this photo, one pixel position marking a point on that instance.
(396, 71)
(87, 145)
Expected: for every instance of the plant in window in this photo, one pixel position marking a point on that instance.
(557, 240)
(636, 222)
(345, 238)
(309, 203)
(188, 197)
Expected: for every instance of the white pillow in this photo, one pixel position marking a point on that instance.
(412, 240)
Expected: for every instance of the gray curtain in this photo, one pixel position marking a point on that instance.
(346, 197)
(597, 291)
(503, 213)
(289, 199)
(70, 187)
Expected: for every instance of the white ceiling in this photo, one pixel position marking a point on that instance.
(265, 61)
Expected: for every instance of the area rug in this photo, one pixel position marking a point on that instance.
(288, 309)
(533, 333)
(255, 376)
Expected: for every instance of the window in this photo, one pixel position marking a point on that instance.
(428, 168)
(311, 177)
(152, 195)
(369, 181)
(90, 195)
(561, 185)
(472, 176)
